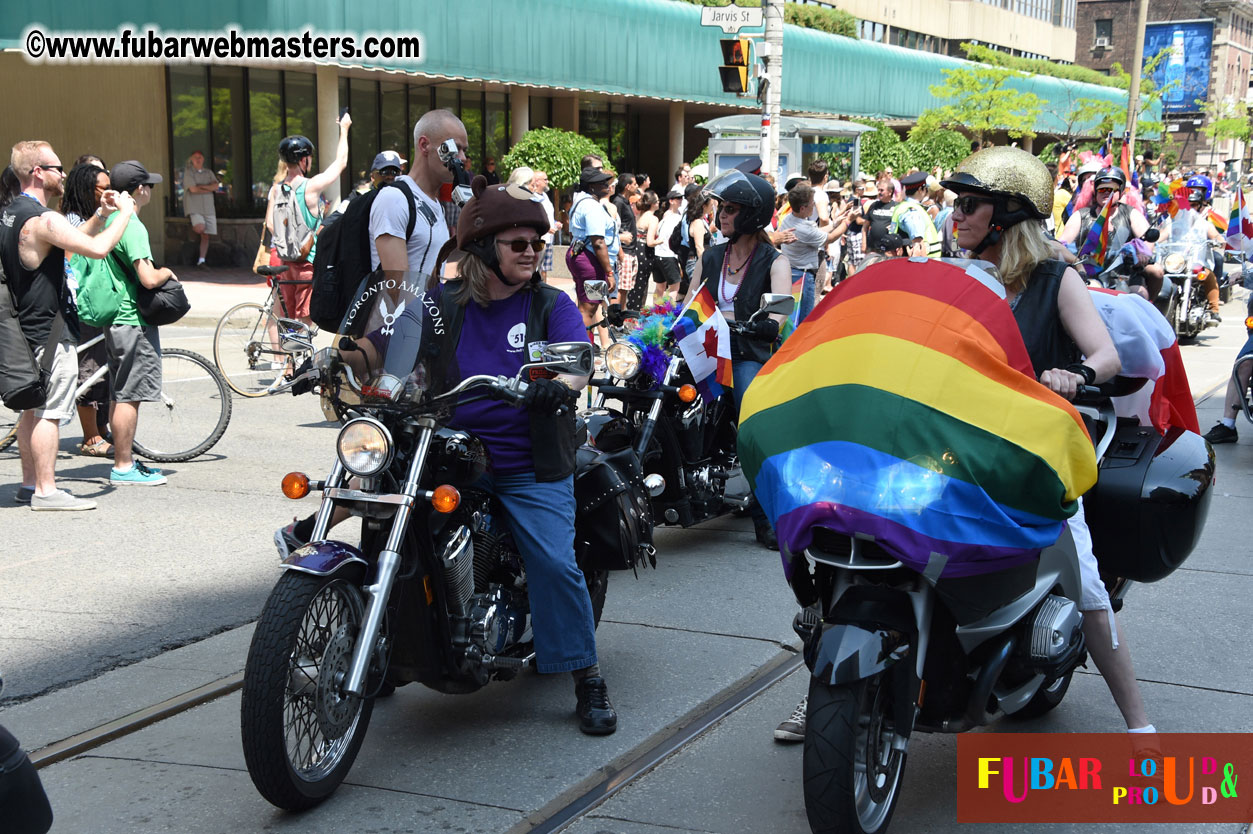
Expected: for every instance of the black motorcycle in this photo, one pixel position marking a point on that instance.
(686, 447)
(893, 652)
(435, 592)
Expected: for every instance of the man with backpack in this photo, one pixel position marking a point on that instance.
(293, 212)
(33, 243)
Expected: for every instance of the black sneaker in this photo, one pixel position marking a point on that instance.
(1221, 434)
(766, 537)
(596, 714)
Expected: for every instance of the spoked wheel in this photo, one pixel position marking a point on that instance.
(301, 734)
(8, 426)
(852, 774)
(192, 414)
(245, 352)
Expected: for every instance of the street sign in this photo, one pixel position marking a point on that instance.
(730, 19)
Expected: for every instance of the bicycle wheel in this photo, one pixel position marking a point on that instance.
(243, 351)
(8, 426)
(193, 412)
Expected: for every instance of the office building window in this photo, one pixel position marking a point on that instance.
(1104, 31)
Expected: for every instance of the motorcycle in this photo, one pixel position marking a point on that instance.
(436, 592)
(1242, 372)
(686, 447)
(1187, 259)
(1123, 270)
(985, 646)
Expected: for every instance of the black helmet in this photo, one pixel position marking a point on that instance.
(292, 148)
(1114, 173)
(751, 192)
(1019, 185)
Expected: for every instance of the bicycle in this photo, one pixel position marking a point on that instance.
(182, 425)
(247, 346)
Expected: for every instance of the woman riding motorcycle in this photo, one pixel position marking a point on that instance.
(1003, 195)
(737, 273)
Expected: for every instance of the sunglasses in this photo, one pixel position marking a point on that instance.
(58, 168)
(1106, 191)
(969, 204)
(731, 209)
(519, 245)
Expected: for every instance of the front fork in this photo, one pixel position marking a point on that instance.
(388, 563)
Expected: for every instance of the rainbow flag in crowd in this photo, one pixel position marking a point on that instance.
(1220, 222)
(1124, 158)
(905, 408)
(1172, 197)
(705, 342)
(1097, 244)
(1240, 227)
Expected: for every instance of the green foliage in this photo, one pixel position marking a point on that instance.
(822, 19)
(554, 151)
(1039, 66)
(882, 148)
(1096, 117)
(944, 148)
(982, 101)
(703, 156)
(1224, 121)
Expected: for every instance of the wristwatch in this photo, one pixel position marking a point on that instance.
(1089, 375)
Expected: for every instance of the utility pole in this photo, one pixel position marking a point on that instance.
(772, 59)
(1133, 93)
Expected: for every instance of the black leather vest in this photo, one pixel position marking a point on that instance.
(1040, 321)
(755, 282)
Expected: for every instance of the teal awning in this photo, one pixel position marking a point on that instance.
(654, 49)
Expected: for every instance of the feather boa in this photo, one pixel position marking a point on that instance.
(650, 337)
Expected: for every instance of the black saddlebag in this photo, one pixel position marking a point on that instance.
(1149, 504)
(610, 531)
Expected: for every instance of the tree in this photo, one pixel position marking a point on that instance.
(882, 148)
(555, 151)
(981, 101)
(944, 148)
(1224, 121)
(1098, 117)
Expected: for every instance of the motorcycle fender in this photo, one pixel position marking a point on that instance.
(323, 558)
(844, 653)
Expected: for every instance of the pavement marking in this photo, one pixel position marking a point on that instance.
(97, 736)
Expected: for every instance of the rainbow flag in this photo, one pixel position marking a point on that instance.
(1240, 227)
(904, 408)
(1172, 197)
(1124, 158)
(705, 341)
(1220, 222)
(1097, 244)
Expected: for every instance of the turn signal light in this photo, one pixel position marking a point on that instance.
(445, 498)
(687, 393)
(295, 485)
(1249, 322)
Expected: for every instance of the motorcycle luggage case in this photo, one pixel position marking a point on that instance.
(1150, 501)
(608, 530)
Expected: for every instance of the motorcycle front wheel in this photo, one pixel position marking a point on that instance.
(852, 774)
(300, 734)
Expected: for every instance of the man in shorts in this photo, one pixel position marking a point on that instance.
(33, 243)
(134, 347)
(199, 186)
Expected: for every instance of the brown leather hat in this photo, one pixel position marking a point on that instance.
(495, 208)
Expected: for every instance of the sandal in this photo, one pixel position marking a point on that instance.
(100, 449)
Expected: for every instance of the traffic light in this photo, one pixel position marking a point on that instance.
(734, 69)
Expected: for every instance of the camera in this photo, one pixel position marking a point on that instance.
(450, 155)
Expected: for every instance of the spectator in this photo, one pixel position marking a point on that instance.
(819, 176)
(911, 220)
(697, 218)
(84, 186)
(592, 161)
(642, 183)
(665, 260)
(628, 235)
(489, 172)
(591, 229)
(890, 246)
(386, 167)
(134, 347)
(539, 184)
(682, 179)
(294, 164)
(199, 186)
(809, 242)
(33, 243)
(647, 224)
(521, 176)
(878, 215)
(897, 193)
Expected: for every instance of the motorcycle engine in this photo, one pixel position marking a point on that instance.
(1056, 632)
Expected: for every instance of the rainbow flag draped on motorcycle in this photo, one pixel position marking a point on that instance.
(905, 409)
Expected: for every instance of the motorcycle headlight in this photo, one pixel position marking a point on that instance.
(623, 360)
(1175, 262)
(364, 447)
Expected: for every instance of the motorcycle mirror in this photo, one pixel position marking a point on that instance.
(574, 358)
(596, 290)
(1152, 235)
(775, 303)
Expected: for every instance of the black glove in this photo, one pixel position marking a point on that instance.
(545, 396)
(764, 329)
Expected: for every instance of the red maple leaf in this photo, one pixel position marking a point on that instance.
(710, 342)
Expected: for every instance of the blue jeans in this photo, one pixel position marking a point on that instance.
(541, 518)
(807, 291)
(742, 373)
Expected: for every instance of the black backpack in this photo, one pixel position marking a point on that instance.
(343, 258)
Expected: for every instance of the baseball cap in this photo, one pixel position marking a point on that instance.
(129, 175)
(591, 176)
(890, 241)
(388, 159)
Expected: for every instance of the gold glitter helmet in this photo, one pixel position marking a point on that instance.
(1019, 185)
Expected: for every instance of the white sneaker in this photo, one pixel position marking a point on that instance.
(793, 729)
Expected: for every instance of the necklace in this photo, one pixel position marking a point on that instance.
(727, 270)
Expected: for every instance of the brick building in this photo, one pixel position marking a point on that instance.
(1105, 32)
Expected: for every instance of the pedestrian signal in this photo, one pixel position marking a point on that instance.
(734, 69)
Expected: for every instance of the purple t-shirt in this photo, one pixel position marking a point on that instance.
(493, 341)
